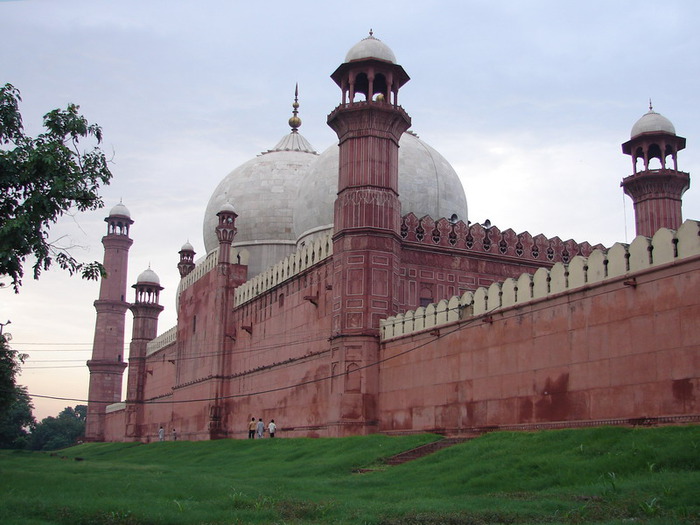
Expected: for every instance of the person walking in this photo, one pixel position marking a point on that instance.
(260, 428)
(174, 435)
(271, 428)
(251, 429)
(161, 433)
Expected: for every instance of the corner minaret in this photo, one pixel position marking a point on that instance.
(656, 192)
(229, 276)
(367, 206)
(186, 264)
(107, 364)
(146, 310)
(226, 231)
(367, 215)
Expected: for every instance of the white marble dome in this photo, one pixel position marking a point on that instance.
(652, 122)
(148, 276)
(428, 185)
(264, 190)
(370, 47)
(120, 211)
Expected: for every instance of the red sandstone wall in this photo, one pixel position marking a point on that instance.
(115, 423)
(284, 343)
(441, 259)
(608, 351)
(428, 274)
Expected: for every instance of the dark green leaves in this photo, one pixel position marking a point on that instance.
(41, 179)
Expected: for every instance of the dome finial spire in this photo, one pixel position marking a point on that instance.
(371, 33)
(651, 108)
(295, 121)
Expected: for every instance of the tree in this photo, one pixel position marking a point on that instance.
(59, 432)
(15, 406)
(17, 422)
(10, 362)
(41, 179)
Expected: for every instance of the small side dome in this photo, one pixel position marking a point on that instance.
(652, 122)
(148, 277)
(370, 47)
(227, 207)
(120, 211)
(187, 247)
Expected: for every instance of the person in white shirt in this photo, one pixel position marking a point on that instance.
(271, 428)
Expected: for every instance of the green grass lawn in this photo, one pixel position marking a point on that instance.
(599, 475)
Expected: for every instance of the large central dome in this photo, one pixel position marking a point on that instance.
(428, 185)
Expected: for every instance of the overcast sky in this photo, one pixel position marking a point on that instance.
(529, 101)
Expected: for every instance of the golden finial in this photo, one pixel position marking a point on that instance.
(295, 121)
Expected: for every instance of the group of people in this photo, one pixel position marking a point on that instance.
(258, 429)
(255, 429)
(161, 434)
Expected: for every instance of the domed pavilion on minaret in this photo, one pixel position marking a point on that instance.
(347, 292)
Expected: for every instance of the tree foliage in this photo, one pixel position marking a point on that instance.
(59, 432)
(17, 421)
(16, 418)
(41, 179)
(10, 362)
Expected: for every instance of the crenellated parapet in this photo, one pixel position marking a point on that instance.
(477, 238)
(666, 246)
(162, 341)
(293, 264)
(237, 256)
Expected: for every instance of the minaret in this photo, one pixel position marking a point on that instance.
(229, 275)
(366, 241)
(656, 193)
(226, 231)
(186, 264)
(146, 310)
(107, 364)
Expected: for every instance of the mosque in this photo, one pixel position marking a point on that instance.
(346, 292)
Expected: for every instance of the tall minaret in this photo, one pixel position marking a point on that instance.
(227, 278)
(366, 241)
(656, 193)
(146, 310)
(107, 364)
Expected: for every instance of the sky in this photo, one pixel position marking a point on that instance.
(529, 102)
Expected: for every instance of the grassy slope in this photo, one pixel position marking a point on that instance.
(603, 475)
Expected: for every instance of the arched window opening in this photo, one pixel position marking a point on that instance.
(655, 157)
(380, 87)
(361, 86)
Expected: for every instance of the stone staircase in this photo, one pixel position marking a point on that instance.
(424, 450)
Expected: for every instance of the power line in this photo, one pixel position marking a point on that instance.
(50, 344)
(277, 389)
(51, 367)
